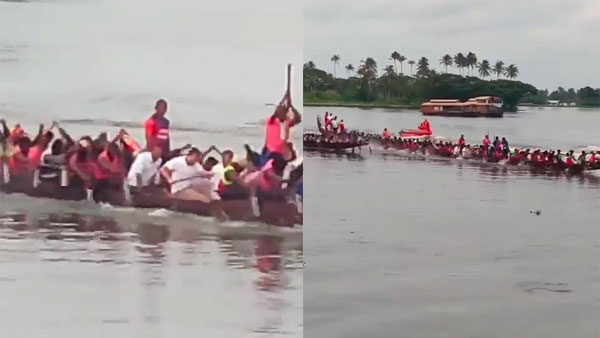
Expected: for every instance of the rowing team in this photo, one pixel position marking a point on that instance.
(101, 165)
(495, 153)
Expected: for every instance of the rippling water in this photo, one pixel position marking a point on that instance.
(81, 270)
(402, 246)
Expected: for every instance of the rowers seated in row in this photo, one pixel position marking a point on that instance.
(187, 178)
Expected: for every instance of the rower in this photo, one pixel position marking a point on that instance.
(486, 142)
(386, 134)
(144, 170)
(108, 173)
(179, 173)
(156, 129)
(38, 146)
(581, 159)
(274, 142)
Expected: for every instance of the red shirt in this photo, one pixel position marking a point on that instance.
(342, 127)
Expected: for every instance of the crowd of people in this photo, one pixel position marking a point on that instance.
(333, 125)
(495, 150)
(101, 164)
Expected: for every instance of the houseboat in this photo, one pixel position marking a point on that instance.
(481, 106)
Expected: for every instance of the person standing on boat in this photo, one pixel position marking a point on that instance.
(274, 140)
(486, 142)
(461, 141)
(385, 134)
(156, 129)
(326, 121)
(342, 127)
(334, 125)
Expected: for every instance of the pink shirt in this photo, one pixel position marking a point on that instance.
(34, 156)
(273, 141)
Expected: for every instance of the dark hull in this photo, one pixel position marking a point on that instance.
(316, 145)
(274, 212)
(459, 113)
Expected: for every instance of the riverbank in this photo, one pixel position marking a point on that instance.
(359, 105)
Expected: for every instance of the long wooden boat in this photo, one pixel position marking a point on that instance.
(481, 106)
(278, 212)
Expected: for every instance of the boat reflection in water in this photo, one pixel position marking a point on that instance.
(154, 275)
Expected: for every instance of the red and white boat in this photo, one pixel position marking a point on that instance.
(422, 131)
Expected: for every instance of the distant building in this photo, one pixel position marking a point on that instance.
(553, 102)
(572, 104)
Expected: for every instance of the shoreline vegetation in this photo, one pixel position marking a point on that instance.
(364, 88)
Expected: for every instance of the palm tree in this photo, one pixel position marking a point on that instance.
(336, 60)
(389, 70)
(401, 59)
(460, 62)
(395, 57)
(349, 69)
(423, 67)
(484, 68)
(446, 60)
(411, 63)
(368, 71)
(511, 71)
(498, 69)
(471, 61)
(309, 65)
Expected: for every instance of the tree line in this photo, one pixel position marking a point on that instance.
(392, 87)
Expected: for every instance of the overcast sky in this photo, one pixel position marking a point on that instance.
(553, 43)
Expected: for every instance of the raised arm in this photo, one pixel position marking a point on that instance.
(39, 135)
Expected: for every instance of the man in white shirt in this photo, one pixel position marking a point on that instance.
(145, 167)
(184, 173)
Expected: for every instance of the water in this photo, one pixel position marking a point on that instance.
(398, 246)
(99, 65)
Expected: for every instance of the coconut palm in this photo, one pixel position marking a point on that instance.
(460, 61)
(411, 63)
(446, 60)
(471, 61)
(395, 57)
(336, 60)
(401, 59)
(349, 69)
(484, 68)
(498, 69)
(368, 72)
(389, 70)
(423, 67)
(309, 65)
(511, 71)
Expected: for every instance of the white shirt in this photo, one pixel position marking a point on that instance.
(218, 171)
(334, 124)
(180, 170)
(145, 166)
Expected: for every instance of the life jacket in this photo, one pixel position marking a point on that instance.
(342, 128)
(157, 132)
(101, 173)
(460, 142)
(569, 161)
(485, 142)
(224, 180)
(34, 156)
(386, 134)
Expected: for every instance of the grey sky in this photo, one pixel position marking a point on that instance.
(553, 43)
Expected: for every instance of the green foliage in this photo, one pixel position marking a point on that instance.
(398, 89)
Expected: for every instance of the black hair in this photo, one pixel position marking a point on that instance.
(194, 151)
(57, 147)
(211, 160)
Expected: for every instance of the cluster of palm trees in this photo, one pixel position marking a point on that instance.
(485, 69)
(464, 63)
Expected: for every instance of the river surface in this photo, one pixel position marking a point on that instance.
(81, 270)
(401, 246)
